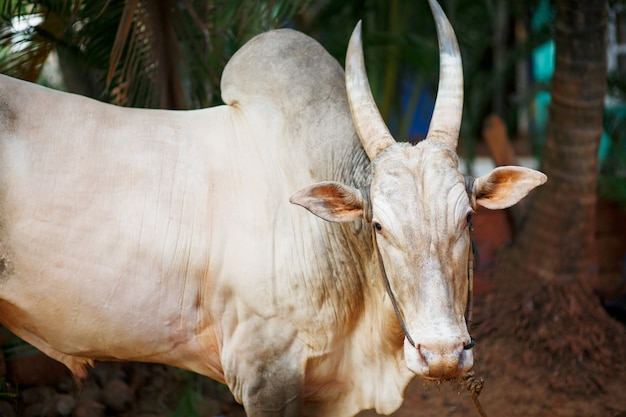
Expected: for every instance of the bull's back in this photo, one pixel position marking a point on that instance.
(103, 214)
(126, 232)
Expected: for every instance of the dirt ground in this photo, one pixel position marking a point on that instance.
(511, 389)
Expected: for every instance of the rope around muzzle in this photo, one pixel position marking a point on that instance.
(394, 302)
(392, 296)
(472, 384)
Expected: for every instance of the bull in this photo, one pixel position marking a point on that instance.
(168, 237)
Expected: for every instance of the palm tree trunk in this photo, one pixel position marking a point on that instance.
(545, 303)
(556, 242)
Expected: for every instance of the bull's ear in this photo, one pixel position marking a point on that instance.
(331, 201)
(505, 186)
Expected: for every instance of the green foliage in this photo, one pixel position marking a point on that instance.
(25, 39)
(402, 60)
(192, 396)
(613, 188)
(612, 178)
(8, 391)
(400, 47)
(196, 389)
(616, 86)
(139, 53)
(13, 347)
(171, 53)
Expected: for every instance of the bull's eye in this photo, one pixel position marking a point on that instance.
(378, 227)
(469, 219)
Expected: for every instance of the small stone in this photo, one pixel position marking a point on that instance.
(117, 395)
(33, 410)
(88, 408)
(89, 390)
(104, 372)
(38, 394)
(65, 404)
(7, 409)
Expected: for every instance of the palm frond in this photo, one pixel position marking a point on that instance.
(27, 38)
(138, 52)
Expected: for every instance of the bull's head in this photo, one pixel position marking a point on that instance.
(419, 205)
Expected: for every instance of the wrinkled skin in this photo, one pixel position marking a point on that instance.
(426, 254)
(168, 237)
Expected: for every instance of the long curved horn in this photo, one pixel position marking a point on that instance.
(369, 124)
(446, 121)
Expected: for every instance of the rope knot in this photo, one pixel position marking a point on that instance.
(474, 386)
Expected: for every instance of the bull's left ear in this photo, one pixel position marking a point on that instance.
(331, 201)
(505, 186)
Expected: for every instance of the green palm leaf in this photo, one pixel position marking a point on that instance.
(166, 54)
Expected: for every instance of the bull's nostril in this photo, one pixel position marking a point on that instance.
(440, 359)
(470, 344)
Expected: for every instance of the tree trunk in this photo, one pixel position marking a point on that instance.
(556, 243)
(546, 303)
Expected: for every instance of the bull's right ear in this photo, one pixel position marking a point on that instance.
(332, 201)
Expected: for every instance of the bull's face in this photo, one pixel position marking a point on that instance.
(418, 205)
(420, 219)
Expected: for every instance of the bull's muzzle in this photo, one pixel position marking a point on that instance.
(438, 360)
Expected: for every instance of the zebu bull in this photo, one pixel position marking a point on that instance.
(168, 237)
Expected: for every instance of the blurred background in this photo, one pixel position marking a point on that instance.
(170, 54)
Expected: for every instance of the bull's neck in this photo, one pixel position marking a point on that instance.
(355, 170)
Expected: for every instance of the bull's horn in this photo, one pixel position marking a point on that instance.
(369, 124)
(446, 121)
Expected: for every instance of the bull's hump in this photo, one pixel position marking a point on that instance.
(282, 66)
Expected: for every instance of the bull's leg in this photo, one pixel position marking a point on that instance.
(275, 391)
(264, 368)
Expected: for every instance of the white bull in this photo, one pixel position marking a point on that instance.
(168, 236)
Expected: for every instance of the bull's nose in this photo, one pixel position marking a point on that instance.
(439, 360)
